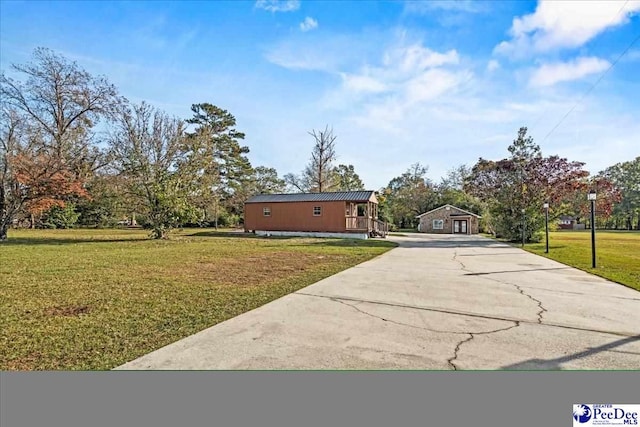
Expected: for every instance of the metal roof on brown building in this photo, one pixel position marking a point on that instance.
(347, 196)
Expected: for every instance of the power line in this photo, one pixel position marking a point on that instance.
(592, 87)
(592, 48)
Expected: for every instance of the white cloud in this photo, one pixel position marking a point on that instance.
(362, 83)
(278, 5)
(432, 84)
(406, 78)
(408, 73)
(565, 24)
(632, 55)
(423, 7)
(417, 58)
(306, 61)
(308, 24)
(550, 74)
(492, 65)
(321, 52)
(406, 101)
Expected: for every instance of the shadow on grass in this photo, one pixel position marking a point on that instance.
(238, 235)
(30, 241)
(538, 247)
(319, 241)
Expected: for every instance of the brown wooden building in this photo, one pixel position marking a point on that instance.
(448, 219)
(339, 214)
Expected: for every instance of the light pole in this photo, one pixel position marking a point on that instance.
(592, 198)
(546, 225)
(524, 225)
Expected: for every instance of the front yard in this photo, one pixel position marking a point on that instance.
(617, 253)
(94, 299)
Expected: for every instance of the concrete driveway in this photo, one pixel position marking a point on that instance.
(435, 302)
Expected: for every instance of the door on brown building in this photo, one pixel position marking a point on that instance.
(460, 226)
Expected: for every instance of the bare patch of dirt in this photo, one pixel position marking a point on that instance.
(255, 269)
(68, 311)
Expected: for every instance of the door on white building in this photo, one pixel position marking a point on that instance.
(460, 226)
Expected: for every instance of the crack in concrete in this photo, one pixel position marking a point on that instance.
(395, 322)
(456, 351)
(540, 312)
(455, 258)
(469, 314)
(540, 306)
(472, 335)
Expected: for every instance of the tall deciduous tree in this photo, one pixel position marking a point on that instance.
(319, 170)
(150, 152)
(626, 177)
(31, 178)
(345, 178)
(266, 181)
(319, 175)
(65, 102)
(451, 191)
(48, 122)
(408, 195)
(516, 188)
(11, 194)
(297, 183)
(110, 202)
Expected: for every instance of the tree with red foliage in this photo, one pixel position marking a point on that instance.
(516, 188)
(47, 147)
(31, 179)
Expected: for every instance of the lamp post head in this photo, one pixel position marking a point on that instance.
(591, 195)
(546, 205)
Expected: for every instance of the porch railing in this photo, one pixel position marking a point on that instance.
(370, 225)
(381, 227)
(358, 223)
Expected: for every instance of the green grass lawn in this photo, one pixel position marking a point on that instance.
(94, 299)
(617, 253)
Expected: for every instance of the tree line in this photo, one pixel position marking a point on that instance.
(510, 193)
(74, 151)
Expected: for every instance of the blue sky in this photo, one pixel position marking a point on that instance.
(441, 83)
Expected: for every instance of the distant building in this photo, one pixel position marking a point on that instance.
(448, 219)
(566, 222)
(351, 214)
